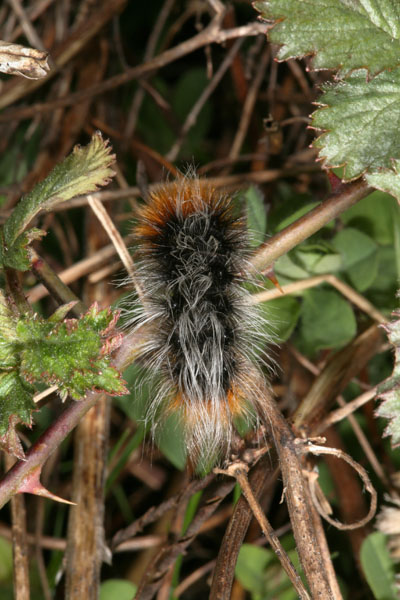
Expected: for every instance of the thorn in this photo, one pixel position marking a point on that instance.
(32, 485)
(272, 277)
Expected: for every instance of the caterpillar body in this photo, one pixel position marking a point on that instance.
(202, 335)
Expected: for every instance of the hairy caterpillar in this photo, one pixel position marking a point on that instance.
(202, 334)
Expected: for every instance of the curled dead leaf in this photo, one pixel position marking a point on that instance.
(20, 60)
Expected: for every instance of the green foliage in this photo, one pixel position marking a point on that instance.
(389, 391)
(83, 171)
(117, 589)
(259, 572)
(360, 110)
(387, 180)
(327, 321)
(378, 566)
(328, 29)
(6, 565)
(256, 215)
(74, 354)
(359, 256)
(373, 216)
(280, 317)
(359, 118)
(169, 436)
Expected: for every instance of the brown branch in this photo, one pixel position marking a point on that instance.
(196, 108)
(166, 557)
(239, 471)
(86, 549)
(340, 369)
(224, 571)
(310, 223)
(63, 53)
(211, 34)
(20, 544)
(313, 556)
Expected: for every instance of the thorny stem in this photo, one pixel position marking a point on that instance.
(20, 544)
(310, 223)
(58, 431)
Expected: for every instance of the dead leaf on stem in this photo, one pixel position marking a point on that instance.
(20, 60)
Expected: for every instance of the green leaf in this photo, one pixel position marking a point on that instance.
(389, 391)
(327, 321)
(308, 259)
(74, 355)
(317, 258)
(259, 572)
(373, 215)
(117, 589)
(378, 566)
(82, 172)
(359, 256)
(140, 381)
(169, 438)
(288, 266)
(280, 317)
(250, 569)
(387, 180)
(358, 117)
(16, 256)
(341, 34)
(16, 406)
(6, 560)
(363, 274)
(256, 215)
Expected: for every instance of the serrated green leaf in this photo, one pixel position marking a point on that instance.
(16, 406)
(16, 256)
(358, 117)
(341, 34)
(389, 390)
(256, 215)
(82, 172)
(74, 354)
(327, 321)
(387, 180)
(378, 566)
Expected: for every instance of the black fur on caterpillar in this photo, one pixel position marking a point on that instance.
(202, 335)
